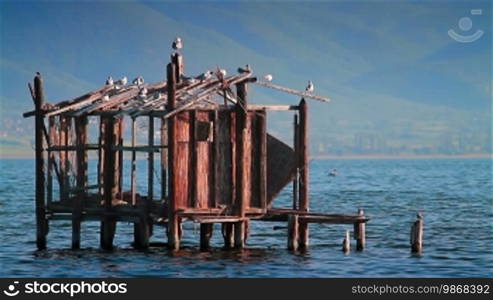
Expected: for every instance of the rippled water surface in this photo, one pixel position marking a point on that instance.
(455, 196)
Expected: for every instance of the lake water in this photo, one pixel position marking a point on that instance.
(456, 197)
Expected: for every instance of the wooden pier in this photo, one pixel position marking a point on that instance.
(218, 163)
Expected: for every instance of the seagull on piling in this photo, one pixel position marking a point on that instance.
(177, 44)
(268, 77)
(109, 81)
(419, 215)
(247, 69)
(310, 87)
(138, 81)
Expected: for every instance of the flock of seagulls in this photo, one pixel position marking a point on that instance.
(178, 45)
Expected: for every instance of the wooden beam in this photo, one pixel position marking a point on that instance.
(293, 92)
(164, 157)
(293, 232)
(150, 162)
(193, 164)
(41, 222)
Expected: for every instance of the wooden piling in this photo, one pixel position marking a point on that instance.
(303, 167)
(173, 219)
(41, 222)
(53, 140)
(242, 165)
(227, 230)
(360, 232)
(81, 179)
(297, 165)
(293, 232)
(346, 243)
(164, 158)
(417, 235)
(150, 162)
(205, 235)
(108, 225)
(133, 171)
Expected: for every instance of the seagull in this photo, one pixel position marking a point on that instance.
(177, 44)
(124, 80)
(204, 76)
(109, 81)
(143, 93)
(268, 77)
(310, 87)
(247, 69)
(106, 98)
(157, 95)
(138, 81)
(187, 80)
(419, 215)
(222, 72)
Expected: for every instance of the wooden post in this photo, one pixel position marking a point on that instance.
(64, 138)
(262, 128)
(41, 222)
(81, 158)
(303, 166)
(242, 189)
(133, 177)
(173, 219)
(360, 233)
(177, 60)
(193, 164)
(205, 235)
(227, 230)
(53, 140)
(296, 151)
(150, 162)
(293, 232)
(108, 225)
(164, 160)
(346, 243)
(417, 235)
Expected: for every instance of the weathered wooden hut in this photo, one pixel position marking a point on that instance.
(218, 164)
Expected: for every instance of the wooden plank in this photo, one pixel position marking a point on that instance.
(255, 160)
(193, 167)
(73, 147)
(41, 222)
(272, 107)
(262, 141)
(203, 174)
(215, 186)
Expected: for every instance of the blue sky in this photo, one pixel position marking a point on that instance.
(382, 63)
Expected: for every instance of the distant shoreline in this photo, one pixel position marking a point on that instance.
(405, 156)
(341, 157)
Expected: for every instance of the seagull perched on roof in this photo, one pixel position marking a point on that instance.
(204, 76)
(138, 81)
(187, 80)
(222, 72)
(106, 98)
(268, 77)
(109, 81)
(143, 93)
(246, 69)
(310, 87)
(157, 95)
(177, 44)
